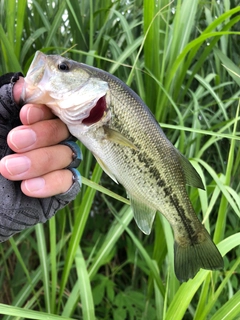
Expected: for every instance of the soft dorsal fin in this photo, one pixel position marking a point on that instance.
(143, 214)
(191, 175)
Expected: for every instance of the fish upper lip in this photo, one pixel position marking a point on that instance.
(33, 77)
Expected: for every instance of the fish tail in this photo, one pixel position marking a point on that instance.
(190, 257)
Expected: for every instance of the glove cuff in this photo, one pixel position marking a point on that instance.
(9, 110)
(10, 77)
(77, 154)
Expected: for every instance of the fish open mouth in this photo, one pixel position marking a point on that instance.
(96, 112)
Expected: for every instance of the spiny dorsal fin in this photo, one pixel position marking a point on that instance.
(143, 215)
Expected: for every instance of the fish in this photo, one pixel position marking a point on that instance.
(112, 121)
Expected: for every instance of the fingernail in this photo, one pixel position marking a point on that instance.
(17, 165)
(35, 184)
(34, 114)
(22, 138)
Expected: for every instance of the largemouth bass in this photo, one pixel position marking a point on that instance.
(118, 128)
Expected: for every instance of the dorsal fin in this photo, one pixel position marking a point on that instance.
(191, 175)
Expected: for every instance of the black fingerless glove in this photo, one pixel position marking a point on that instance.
(18, 211)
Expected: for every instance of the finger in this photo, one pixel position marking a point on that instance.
(38, 135)
(17, 89)
(31, 113)
(24, 166)
(48, 185)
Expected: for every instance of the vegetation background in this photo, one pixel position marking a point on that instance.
(90, 261)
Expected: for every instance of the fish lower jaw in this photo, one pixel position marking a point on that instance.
(32, 95)
(93, 116)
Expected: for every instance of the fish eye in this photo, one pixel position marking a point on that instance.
(63, 66)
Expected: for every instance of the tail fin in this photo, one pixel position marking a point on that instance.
(189, 259)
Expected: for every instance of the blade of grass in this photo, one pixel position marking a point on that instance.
(10, 21)
(151, 53)
(23, 295)
(12, 63)
(130, 40)
(42, 251)
(74, 8)
(44, 20)
(183, 24)
(21, 261)
(205, 311)
(114, 233)
(84, 286)
(230, 65)
(21, 9)
(148, 260)
(53, 257)
(214, 95)
(230, 310)
(159, 302)
(79, 225)
(103, 190)
(221, 221)
(55, 24)
(208, 49)
(188, 289)
(216, 135)
(28, 314)
(30, 41)
(187, 49)
(203, 297)
(223, 189)
(173, 283)
(125, 54)
(116, 230)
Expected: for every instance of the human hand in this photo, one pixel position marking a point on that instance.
(39, 160)
(33, 182)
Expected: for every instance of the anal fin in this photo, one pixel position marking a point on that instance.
(143, 214)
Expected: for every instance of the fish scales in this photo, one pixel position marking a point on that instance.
(156, 159)
(118, 128)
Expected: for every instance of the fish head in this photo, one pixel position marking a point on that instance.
(67, 87)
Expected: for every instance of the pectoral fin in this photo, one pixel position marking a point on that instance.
(118, 138)
(192, 177)
(143, 215)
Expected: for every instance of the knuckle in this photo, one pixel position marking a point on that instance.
(58, 129)
(51, 131)
(63, 179)
(55, 157)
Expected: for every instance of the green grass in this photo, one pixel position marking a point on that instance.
(90, 261)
